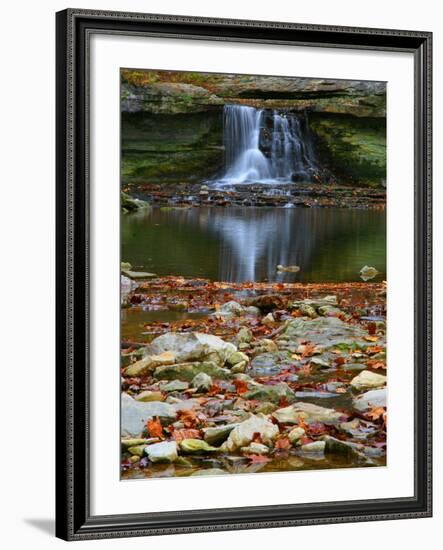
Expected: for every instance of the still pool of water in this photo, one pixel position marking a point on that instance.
(240, 244)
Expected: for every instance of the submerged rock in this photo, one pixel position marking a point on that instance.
(138, 274)
(368, 379)
(273, 393)
(368, 272)
(336, 446)
(255, 449)
(166, 451)
(314, 447)
(243, 433)
(270, 363)
(359, 429)
(324, 331)
(134, 414)
(209, 472)
(288, 268)
(188, 371)
(308, 412)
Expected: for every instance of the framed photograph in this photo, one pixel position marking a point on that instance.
(243, 274)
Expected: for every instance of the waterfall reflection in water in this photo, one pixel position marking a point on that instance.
(246, 244)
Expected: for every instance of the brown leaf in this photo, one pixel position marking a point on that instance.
(189, 418)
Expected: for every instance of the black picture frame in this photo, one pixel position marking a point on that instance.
(73, 518)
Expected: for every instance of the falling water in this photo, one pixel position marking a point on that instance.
(244, 160)
(265, 147)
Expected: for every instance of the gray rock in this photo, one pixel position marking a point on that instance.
(229, 309)
(243, 433)
(308, 412)
(218, 434)
(372, 398)
(139, 274)
(175, 385)
(244, 336)
(253, 311)
(270, 363)
(255, 449)
(149, 362)
(295, 435)
(239, 368)
(126, 288)
(359, 429)
(237, 357)
(202, 382)
(368, 379)
(193, 346)
(166, 451)
(271, 393)
(336, 446)
(134, 414)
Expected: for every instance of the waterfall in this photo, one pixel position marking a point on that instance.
(263, 146)
(244, 160)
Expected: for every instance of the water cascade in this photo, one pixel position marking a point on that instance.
(264, 146)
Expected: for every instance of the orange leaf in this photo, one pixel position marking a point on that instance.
(241, 386)
(283, 444)
(375, 413)
(189, 418)
(154, 427)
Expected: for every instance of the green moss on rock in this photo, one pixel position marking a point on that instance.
(353, 148)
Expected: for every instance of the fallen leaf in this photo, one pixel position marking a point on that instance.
(189, 418)
(375, 413)
(154, 427)
(282, 444)
(241, 386)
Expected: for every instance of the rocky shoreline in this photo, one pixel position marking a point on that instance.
(284, 195)
(252, 377)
